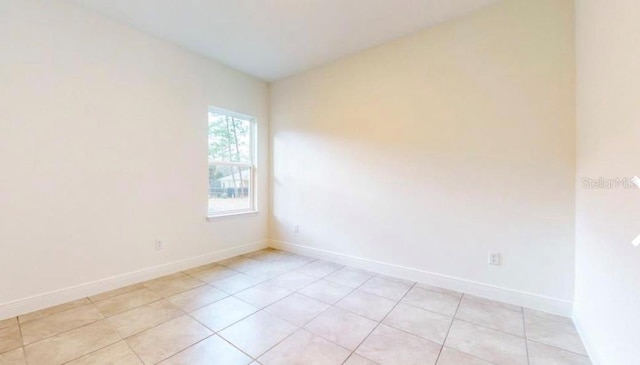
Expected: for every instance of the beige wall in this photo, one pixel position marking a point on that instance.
(103, 149)
(607, 304)
(432, 150)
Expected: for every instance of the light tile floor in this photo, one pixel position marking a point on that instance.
(275, 308)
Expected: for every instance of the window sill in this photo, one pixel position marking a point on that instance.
(230, 215)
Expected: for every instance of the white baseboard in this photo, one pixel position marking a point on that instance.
(516, 297)
(45, 300)
(595, 356)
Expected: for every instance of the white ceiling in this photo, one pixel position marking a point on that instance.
(272, 39)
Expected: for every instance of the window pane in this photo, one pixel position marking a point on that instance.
(229, 138)
(229, 188)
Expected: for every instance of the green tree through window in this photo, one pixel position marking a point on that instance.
(231, 165)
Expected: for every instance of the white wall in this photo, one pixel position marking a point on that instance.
(432, 150)
(103, 149)
(607, 304)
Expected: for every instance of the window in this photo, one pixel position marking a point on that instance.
(231, 163)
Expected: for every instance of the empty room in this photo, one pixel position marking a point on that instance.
(319, 182)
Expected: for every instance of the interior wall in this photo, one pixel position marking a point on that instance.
(103, 149)
(430, 151)
(607, 304)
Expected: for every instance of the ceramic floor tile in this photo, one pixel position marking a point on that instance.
(212, 273)
(318, 269)
(267, 254)
(305, 348)
(389, 346)
(152, 317)
(268, 270)
(193, 299)
(223, 313)
(341, 327)
(558, 334)
(293, 280)
(263, 294)
(433, 301)
(356, 359)
(71, 345)
(367, 305)
(10, 338)
(452, 357)
(512, 307)
(256, 334)
(127, 301)
(292, 262)
(350, 277)
(531, 315)
(116, 292)
(145, 317)
(116, 354)
(213, 350)
(494, 346)
(326, 291)
(241, 264)
(200, 268)
(56, 323)
(440, 290)
(387, 287)
(13, 357)
(491, 316)
(420, 322)
(540, 354)
(173, 284)
(167, 339)
(236, 283)
(8, 322)
(55, 309)
(297, 309)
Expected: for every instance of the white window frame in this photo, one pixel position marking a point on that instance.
(253, 205)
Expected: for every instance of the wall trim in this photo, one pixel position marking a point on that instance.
(49, 299)
(594, 355)
(511, 296)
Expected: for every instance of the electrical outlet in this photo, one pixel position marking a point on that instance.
(494, 258)
(296, 229)
(159, 245)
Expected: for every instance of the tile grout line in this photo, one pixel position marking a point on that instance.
(214, 333)
(235, 347)
(449, 330)
(98, 349)
(23, 347)
(260, 309)
(319, 314)
(526, 342)
(261, 282)
(475, 324)
(123, 339)
(334, 306)
(265, 279)
(559, 348)
(298, 327)
(358, 288)
(489, 328)
(133, 351)
(217, 333)
(511, 334)
(380, 322)
(76, 328)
